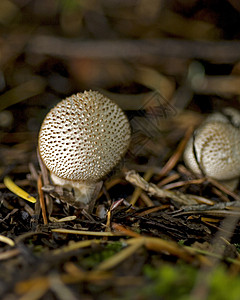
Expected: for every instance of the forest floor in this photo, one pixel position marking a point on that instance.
(156, 230)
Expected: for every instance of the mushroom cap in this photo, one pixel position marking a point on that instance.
(83, 137)
(217, 149)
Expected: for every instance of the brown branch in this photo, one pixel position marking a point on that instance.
(216, 51)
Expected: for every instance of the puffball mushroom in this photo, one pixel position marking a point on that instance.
(81, 140)
(214, 149)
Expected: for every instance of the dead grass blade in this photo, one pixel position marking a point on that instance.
(7, 240)
(155, 244)
(177, 154)
(124, 230)
(82, 232)
(24, 91)
(9, 254)
(41, 199)
(76, 245)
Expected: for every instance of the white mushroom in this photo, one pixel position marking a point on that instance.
(214, 149)
(81, 140)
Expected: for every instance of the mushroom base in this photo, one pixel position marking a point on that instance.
(83, 191)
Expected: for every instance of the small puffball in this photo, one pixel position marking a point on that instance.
(214, 148)
(83, 138)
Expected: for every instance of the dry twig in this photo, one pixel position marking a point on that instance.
(180, 198)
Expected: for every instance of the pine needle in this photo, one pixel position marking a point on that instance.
(17, 190)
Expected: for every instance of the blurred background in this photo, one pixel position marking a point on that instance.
(173, 61)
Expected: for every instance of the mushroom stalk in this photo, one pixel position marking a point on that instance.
(83, 191)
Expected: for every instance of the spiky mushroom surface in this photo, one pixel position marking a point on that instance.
(83, 138)
(214, 150)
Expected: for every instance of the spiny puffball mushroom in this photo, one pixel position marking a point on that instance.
(81, 140)
(214, 148)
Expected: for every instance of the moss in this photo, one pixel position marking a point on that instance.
(172, 282)
(95, 258)
(169, 281)
(224, 286)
